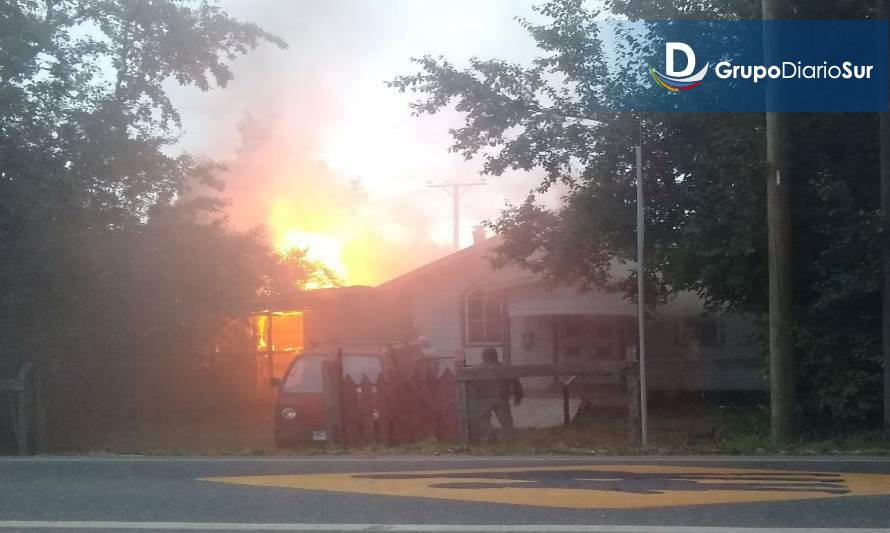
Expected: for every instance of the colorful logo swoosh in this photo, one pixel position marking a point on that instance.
(679, 84)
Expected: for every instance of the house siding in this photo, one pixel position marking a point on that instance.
(538, 351)
(437, 312)
(432, 299)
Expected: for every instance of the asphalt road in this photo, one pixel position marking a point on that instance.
(460, 494)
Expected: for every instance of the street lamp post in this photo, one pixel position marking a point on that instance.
(641, 300)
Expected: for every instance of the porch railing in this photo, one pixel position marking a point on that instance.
(626, 372)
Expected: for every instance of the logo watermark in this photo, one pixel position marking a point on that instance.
(720, 66)
(683, 80)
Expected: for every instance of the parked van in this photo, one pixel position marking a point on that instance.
(300, 405)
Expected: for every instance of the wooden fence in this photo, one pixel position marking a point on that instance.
(22, 397)
(390, 411)
(394, 411)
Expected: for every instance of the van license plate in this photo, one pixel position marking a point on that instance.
(319, 435)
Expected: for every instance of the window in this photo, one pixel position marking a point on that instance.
(304, 376)
(484, 319)
(573, 327)
(704, 331)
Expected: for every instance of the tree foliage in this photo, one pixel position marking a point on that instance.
(706, 214)
(114, 265)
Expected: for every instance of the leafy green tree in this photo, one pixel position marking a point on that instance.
(704, 185)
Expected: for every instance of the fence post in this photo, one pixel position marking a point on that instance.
(566, 412)
(397, 410)
(446, 401)
(463, 418)
(350, 414)
(366, 411)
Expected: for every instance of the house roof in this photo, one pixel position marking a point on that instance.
(476, 252)
(301, 299)
(536, 297)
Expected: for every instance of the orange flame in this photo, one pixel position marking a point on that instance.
(287, 331)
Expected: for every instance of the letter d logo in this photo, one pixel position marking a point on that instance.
(670, 51)
(679, 80)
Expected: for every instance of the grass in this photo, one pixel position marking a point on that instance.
(747, 432)
(695, 429)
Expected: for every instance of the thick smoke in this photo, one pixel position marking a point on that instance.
(324, 155)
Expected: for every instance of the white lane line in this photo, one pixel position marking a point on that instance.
(634, 459)
(407, 528)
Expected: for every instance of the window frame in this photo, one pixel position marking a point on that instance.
(485, 297)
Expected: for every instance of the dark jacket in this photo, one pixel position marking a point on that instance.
(501, 388)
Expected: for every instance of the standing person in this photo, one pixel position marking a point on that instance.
(493, 396)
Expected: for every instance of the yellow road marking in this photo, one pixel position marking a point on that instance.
(590, 487)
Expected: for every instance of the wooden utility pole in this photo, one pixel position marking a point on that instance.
(778, 204)
(455, 189)
(884, 140)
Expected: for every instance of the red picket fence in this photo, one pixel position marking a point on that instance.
(399, 411)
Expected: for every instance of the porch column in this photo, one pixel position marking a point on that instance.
(506, 339)
(555, 339)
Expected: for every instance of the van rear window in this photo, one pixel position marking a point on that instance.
(305, 374)
(359, 366)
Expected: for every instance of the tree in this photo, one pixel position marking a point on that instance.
(293, 270)
(115, 270)
(705, 192)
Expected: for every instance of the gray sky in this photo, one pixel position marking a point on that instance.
(321, 116)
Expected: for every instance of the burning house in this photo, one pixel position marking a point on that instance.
(461, 305)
